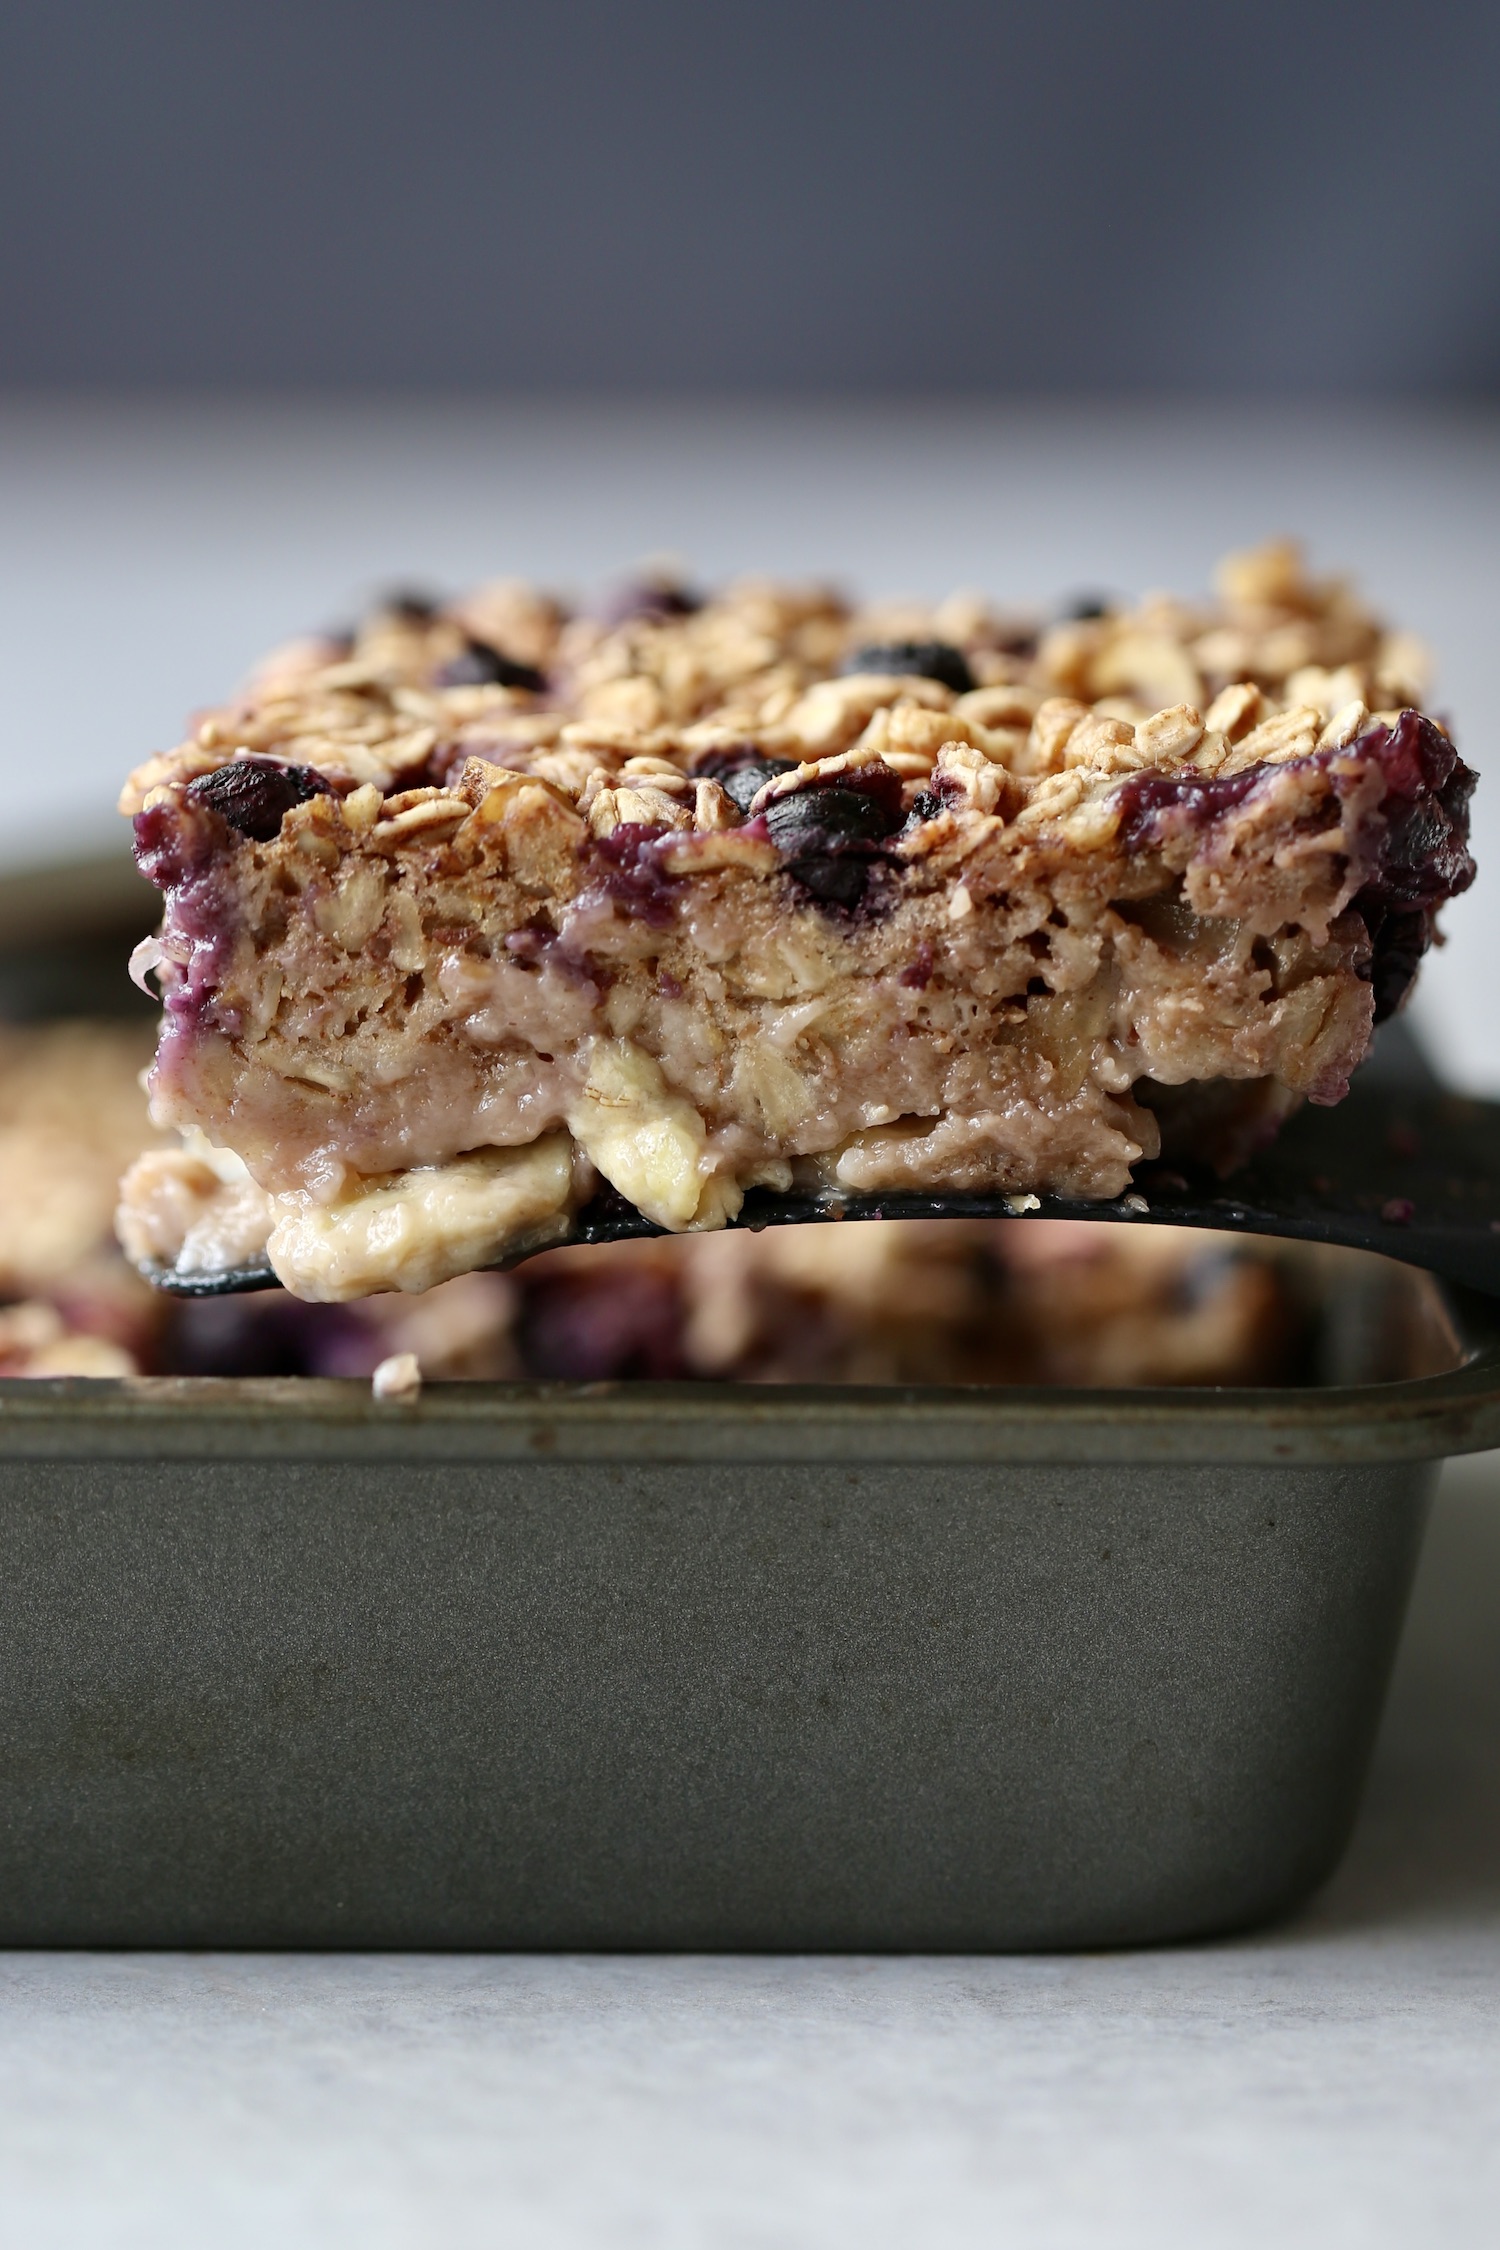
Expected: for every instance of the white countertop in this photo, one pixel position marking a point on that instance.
(1335, 2081)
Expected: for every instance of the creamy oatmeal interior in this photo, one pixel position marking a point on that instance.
(485, 904)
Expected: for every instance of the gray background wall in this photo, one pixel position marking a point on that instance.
(869, 195)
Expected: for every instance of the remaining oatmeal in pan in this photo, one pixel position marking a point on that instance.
(72, 1114)
(944, 1301)
(485, 904)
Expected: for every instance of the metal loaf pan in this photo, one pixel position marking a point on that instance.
(669, 1666)
(684, 1666)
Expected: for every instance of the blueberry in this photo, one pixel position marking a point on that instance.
(836, 882)
(650, 599)
(746, 783)
(826, 820)
(828, 836)
(253, 794)
(929, 660)
(741, 774)
(1086, 609)
(483, 666)
(410, 604)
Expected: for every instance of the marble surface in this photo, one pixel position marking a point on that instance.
(150, 551)
(1334, 2081)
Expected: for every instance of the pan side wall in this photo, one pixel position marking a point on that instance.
(589, 1705)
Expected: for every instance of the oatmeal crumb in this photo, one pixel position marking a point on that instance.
(399, 1378)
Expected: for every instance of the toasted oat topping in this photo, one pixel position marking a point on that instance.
(626, 716)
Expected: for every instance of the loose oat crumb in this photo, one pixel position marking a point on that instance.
(399, 1377)
(1017, 1205)
(1135, 1203)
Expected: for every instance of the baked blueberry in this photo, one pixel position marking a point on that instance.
(480, 665)
(253, 794)
(830, 819)
(834, 882)
(829, 836)
(741, 774)
(410, 604)
(928, 660)
(650, 598)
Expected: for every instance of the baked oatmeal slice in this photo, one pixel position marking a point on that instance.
(488, 905)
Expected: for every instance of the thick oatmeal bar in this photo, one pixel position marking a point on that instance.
(484, 903)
